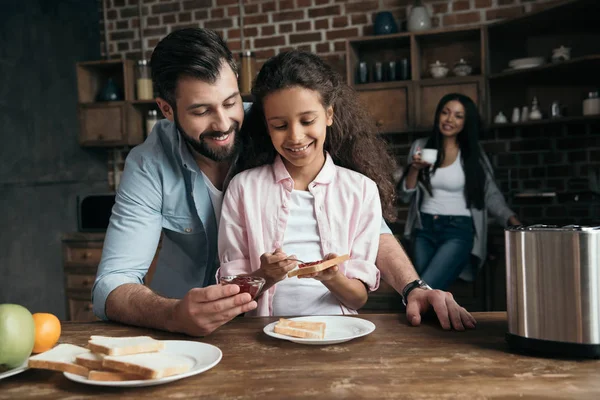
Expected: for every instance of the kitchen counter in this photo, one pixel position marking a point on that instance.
(395, 361)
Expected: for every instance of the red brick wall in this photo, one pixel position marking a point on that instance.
(270, 26)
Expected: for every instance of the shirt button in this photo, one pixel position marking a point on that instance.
(188, 230)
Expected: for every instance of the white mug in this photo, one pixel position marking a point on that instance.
(429, 155)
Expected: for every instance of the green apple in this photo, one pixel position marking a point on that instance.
(17, 335)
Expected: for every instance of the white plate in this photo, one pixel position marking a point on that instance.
(338, 329)
(14, 371)
(520, 62)
(203, 355)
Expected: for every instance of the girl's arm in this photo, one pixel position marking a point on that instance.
(351, 281)
(350, 292)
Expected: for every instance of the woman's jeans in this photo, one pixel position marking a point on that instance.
(442, 248)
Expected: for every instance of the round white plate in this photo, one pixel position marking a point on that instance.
(203, 355)
(14, 371)
(338, 329)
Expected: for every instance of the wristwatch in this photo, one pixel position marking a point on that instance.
(416, 284)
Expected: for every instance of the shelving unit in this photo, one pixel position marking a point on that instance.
(535, 35)
(403, 106)
(109, 123)
(409, 106)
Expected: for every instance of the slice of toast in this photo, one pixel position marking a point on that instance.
(121, 346)
(60, 358)
(149, 365)
(90, 360)
(300, 329)
(112, 376)
(323, 265)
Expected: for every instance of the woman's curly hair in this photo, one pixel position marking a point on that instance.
(352, 141)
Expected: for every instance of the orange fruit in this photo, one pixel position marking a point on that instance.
(47, 331)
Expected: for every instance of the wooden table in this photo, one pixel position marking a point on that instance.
(394, 362)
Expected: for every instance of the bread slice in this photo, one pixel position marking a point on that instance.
(60, 358)
(90, 360)
(300, 329)
(149, 365)
(112, 376)
(121, 346)
(318, 267)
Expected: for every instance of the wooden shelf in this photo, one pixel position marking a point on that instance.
(451, 80)
(144, 102)
(547, 121)
(380, 39)
(574, 70)
(382, 85)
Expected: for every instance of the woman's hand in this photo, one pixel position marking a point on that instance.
(417, 163)
(275, 266)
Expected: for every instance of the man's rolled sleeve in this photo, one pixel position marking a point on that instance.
(133, 232)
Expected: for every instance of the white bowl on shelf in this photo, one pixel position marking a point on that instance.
(528, 62)
(438, 69)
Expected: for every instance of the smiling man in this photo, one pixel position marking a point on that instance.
(173, 183)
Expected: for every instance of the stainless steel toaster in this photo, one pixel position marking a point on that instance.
(553, 289)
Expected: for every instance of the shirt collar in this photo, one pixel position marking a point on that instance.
(324, 176)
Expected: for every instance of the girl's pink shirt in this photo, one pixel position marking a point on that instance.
(255, 213)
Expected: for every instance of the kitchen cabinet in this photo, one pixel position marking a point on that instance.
(117, 123)
(536, 35)
(408, 105)
(81, 256)
(492, 83)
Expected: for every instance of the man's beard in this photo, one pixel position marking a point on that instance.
(219, 154)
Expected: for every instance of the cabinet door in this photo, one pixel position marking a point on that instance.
(102, 125)
(431, 95)
(81, 310)
(388, 107)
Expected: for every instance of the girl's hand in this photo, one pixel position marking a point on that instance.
(417, 162)
(274, 266)
(326, 274)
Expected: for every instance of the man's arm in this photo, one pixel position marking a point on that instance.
(129, 247)
(393, 263)
(397, 270)
(131, 240)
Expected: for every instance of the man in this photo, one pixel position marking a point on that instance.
(173, 183)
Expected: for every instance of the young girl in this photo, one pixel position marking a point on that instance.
(313, 192)
(449, 200)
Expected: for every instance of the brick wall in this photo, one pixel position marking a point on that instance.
(270, 26)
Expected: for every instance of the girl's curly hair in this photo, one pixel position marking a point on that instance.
(352, 141)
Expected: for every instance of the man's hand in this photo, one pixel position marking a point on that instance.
(202, 310)
(450, 314)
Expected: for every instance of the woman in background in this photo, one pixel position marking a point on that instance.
(449, 199)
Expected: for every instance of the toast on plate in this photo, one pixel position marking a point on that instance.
(60, 358)
(149, 365)
(121, 346)
(300, 329)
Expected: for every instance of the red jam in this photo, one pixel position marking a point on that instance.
(247, 284)
(309, 264)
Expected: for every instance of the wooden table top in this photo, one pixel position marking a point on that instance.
(395, 361)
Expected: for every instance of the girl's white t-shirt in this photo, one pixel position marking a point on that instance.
(306, 296)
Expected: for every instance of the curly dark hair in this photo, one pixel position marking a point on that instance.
(352, 141)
